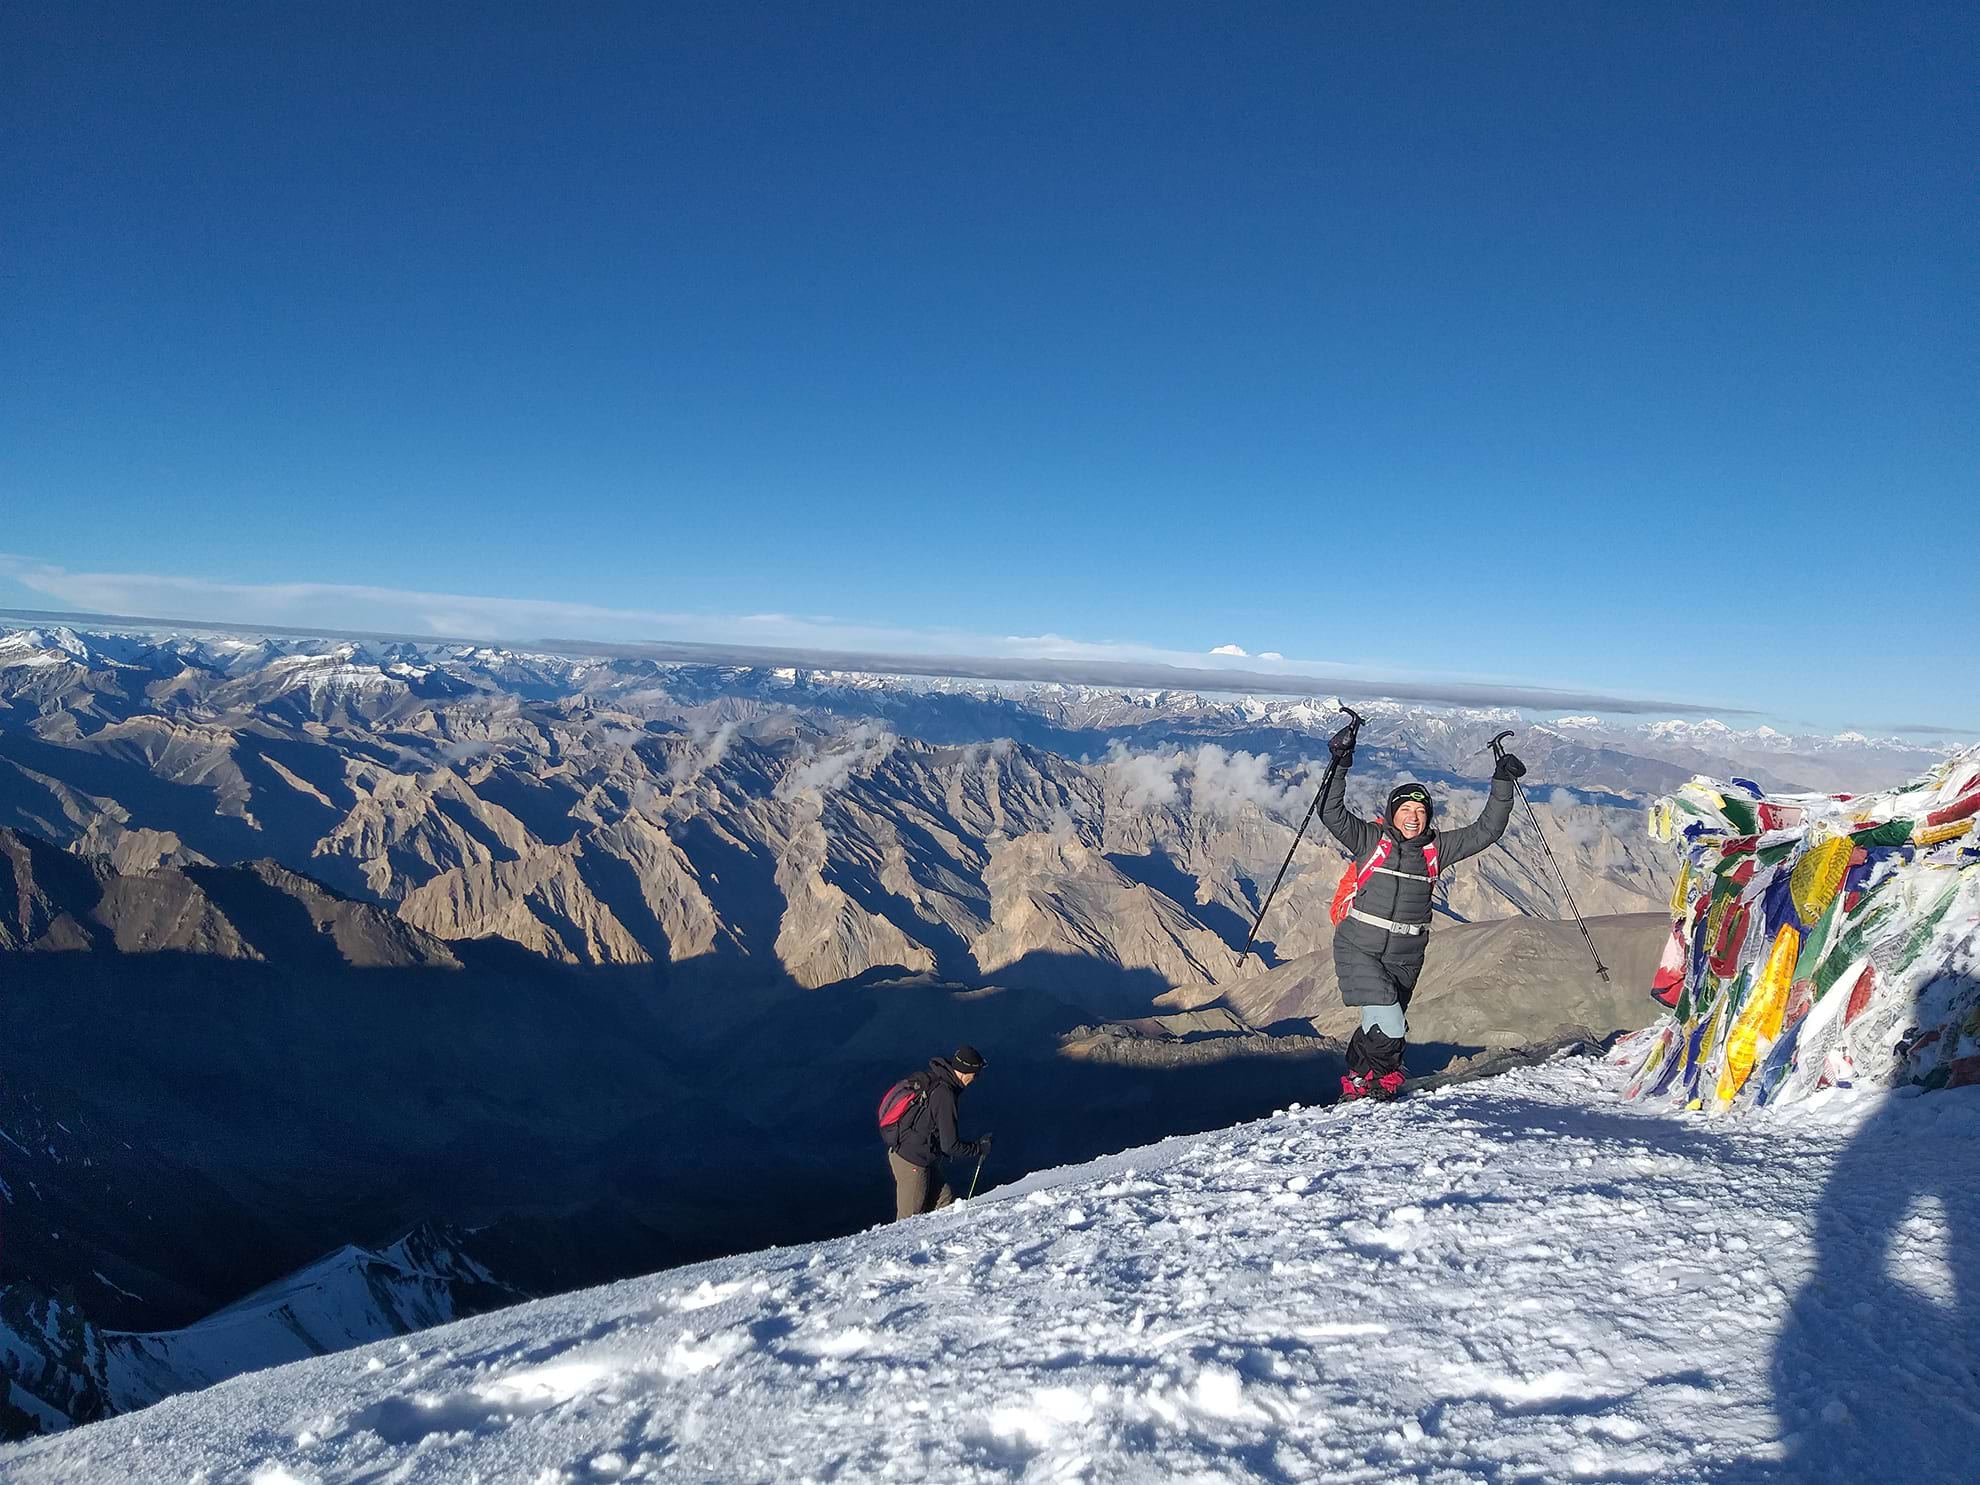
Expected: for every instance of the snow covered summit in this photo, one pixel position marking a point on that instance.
(1524, 1278)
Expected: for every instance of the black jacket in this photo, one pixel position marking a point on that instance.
(928, 1130)
(1402, 892)
(1374, 966)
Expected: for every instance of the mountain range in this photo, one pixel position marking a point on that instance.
(307, 945)
(773, 824)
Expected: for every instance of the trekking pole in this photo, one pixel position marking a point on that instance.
(975, 1173)
(1498, 746)
(1326, 783)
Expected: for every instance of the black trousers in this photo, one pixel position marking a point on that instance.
(1371, 1053)
(1376, 977)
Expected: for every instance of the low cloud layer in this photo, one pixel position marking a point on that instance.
(1147, 781)
(811, 642)
(1579, 823)
(685, 768)
(1217, 782)
(858, 750)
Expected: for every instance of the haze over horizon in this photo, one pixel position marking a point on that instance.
(814, 643)
(1622, 353)
(1044, 660)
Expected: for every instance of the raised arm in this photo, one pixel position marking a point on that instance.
(1468, 840)
(1357, 834)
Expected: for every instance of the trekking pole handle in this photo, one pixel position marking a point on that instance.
(1498, 744)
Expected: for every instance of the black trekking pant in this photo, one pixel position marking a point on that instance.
(1384, 977)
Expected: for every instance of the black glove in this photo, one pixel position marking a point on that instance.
(982, 1145)
(1509, 767)
(1342, 746)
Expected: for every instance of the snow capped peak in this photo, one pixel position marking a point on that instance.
(345, 668)
(1681, 727)
(345, 672)
(67, 640)
(59, 645)
(27, 647)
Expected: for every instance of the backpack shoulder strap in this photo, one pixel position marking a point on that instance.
(1375, 859)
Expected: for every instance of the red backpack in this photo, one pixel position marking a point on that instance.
(900, 1101)
(1355, 878)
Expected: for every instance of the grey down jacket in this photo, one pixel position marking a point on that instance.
(1374, 965)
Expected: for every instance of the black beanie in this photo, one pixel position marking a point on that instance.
(1403, 793)
(967, 1059)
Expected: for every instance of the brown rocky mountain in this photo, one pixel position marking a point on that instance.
(53, 901)
(1489, 984)
(619, 813)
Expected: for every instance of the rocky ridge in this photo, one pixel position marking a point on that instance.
(742, 825)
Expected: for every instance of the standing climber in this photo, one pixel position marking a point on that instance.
(1381, 938)
(922, 1132)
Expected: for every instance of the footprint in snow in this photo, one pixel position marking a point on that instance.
(707, 1293)
(834, 1345)
(405, 1419)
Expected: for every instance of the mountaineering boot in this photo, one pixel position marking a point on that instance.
(1388, 1086)
(1353, 1086)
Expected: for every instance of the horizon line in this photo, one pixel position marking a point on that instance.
(1127, 674)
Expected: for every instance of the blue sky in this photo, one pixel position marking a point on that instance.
(1601, 346)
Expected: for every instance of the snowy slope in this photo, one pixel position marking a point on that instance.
(1526, 1278)
(56, 1366)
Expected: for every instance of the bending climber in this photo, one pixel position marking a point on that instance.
(1379, 945)
(923, 1133)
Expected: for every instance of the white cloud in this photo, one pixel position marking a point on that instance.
(685, 768)
(859, 750)
(1220, 783)
(466, 752)
(1147, 781)
(1580, 824)
(975, 754)
(1270, 655)
(365, 607)
(405, 610)
(828, 642)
